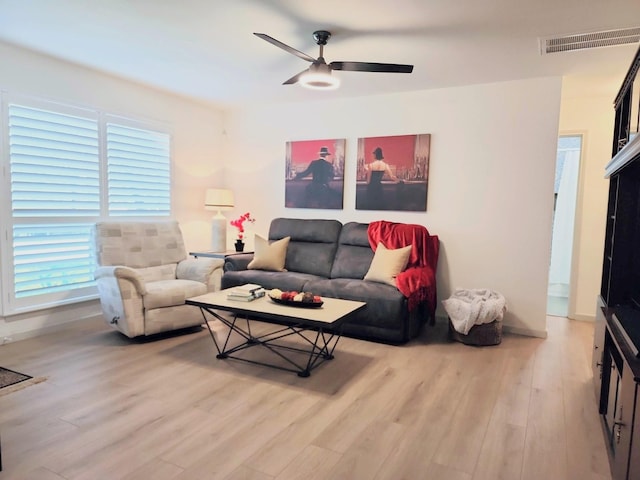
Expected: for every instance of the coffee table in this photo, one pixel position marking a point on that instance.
(319, 328)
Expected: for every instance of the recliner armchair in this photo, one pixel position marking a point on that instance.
(144, 277)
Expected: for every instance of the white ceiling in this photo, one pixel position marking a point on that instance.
(205, 49)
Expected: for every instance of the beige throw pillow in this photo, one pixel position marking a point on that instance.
(268, 256)
(387, 264)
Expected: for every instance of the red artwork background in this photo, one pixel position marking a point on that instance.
(398, 150)
(403, 186)
(299, 155)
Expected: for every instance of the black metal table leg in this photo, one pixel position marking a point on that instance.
(319, 349)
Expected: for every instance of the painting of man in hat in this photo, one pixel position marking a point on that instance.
(314, 174)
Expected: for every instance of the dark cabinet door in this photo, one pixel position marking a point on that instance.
(598, 350)
(623, 425)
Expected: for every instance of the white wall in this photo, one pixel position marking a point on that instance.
(197, 146)
(490, 195)
(491, 174)
(593, 117)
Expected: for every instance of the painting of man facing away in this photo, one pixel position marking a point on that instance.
(314, 174)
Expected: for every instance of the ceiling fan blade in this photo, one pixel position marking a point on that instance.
(371, 67)
(295, 78)
(287, 48)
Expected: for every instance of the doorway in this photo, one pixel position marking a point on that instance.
(564, 213)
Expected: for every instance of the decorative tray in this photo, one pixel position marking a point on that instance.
(292, 303)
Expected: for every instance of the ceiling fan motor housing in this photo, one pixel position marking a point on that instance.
(321, 36)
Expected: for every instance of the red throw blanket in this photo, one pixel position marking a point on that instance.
(418, 281)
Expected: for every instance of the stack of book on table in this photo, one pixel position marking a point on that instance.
(246, 292)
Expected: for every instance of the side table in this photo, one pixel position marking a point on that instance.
(221, 255)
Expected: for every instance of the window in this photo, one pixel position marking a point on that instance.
(68, 168)
(138, 171)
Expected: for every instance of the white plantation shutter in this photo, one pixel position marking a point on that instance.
(138, 172)
(55, 173)
(51, 258)
(70, 167)
(54, 164)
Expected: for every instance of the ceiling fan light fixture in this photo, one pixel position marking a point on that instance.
(319, 81)
(318, 77)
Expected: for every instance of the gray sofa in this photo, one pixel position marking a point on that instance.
(331, 260)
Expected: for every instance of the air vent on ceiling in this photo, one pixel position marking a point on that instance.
(609, 38)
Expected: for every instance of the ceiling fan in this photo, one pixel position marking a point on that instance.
(318, 75)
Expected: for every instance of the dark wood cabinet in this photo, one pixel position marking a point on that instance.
(598, 348)
(616, 345)
(618, 401)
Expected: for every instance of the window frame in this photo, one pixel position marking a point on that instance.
(9, 304)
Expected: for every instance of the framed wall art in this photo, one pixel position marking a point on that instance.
(393, 172)
(314, 174)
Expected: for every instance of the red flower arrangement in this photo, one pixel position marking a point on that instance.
(239, 223)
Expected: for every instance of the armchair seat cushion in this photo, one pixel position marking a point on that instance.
(159, 272)
(171, 293)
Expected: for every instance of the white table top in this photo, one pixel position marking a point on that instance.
(331, 311)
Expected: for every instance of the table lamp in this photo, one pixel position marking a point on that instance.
(218, 199)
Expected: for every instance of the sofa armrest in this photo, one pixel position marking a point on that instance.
(203, 270)
(235, 263)
(121, 272)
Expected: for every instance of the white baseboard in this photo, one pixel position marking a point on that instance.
(527, 332)
(42, 322)
(583, 318)
(24, 335)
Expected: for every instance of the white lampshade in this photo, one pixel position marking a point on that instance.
(218, 199)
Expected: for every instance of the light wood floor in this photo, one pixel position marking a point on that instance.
(112, 408)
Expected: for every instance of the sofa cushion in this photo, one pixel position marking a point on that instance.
(269, 256)
(387, 264)
(285, 281)
(169, 293)
(354, 254)
(385, 304)
(312, 246)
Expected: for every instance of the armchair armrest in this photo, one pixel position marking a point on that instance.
(122, 272)
(234, 263)
(121, 290)
(203, 270)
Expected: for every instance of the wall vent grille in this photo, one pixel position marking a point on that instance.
(583, 41)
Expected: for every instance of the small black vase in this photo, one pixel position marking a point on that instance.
(239, 245)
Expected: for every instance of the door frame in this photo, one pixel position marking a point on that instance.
(575, 257)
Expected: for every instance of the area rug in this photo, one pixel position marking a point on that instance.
(10, 380)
